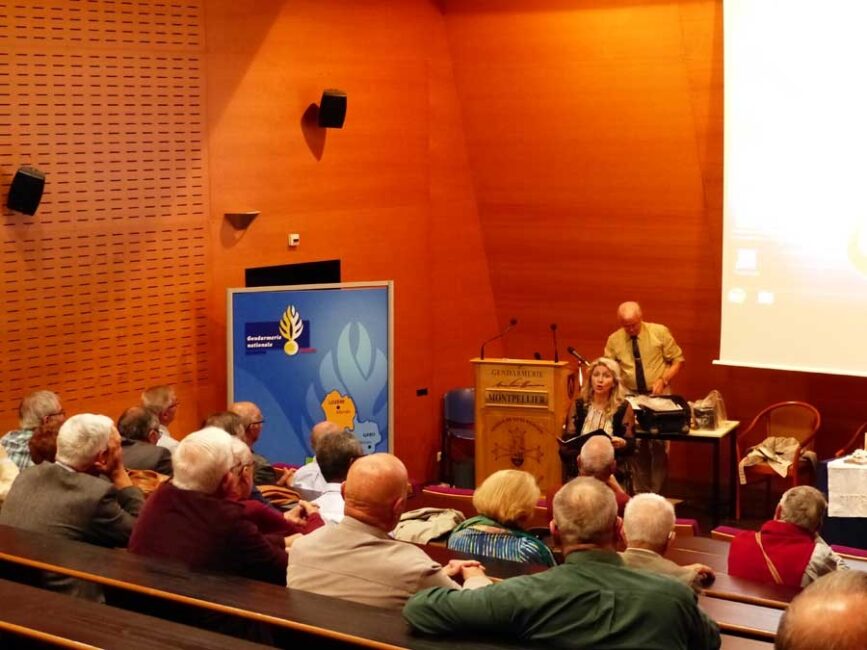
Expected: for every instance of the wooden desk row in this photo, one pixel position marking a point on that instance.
(294, 616)
(35, 616)
(298, 616)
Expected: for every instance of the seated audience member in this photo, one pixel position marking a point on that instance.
(827, 615)
(67, 498)
(140, 431)
(308, 480)
(597, 461)
(40, 407)
(276, 525)
(505, 502)
(233, 424)
(649, 529)
(590, 601)
(192, 519)
(228, 421)
(253, 422)
(43, 443)
(8, 474)
(335, 454)
(356, 559)
(787, 550)
(162, 401)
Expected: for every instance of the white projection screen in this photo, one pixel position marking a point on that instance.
(794, 278)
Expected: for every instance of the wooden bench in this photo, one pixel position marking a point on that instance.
(309, 618)
(42, 617)
(295, 616)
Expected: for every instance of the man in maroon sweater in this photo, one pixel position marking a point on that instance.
(787, 550)
(193, 520)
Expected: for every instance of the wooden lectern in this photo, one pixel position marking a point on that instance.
(521, 406)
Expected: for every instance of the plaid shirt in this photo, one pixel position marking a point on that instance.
(17, 448)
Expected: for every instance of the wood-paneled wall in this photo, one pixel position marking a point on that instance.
(594, 131)
(105, 288)
(542, 159)
(390, 193)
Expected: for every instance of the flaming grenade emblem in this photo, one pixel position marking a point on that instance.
(291, 327)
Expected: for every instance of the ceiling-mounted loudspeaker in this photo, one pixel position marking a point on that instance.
(25, 193)
(332, 109)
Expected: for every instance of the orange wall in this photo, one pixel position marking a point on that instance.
(594, 132)
(543, 159)
(390, 194)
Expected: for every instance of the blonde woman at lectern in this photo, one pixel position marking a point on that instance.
(600, 407)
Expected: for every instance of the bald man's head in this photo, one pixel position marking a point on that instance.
(320, 430)
(375, 490)
(629, 314)
(597, 458)
(828, 614)
(251, 417)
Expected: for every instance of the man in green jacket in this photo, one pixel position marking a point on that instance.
(590, 601)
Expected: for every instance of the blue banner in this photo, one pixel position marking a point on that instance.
(307, 355)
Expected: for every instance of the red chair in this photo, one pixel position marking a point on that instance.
(856, 442)
(797, 420)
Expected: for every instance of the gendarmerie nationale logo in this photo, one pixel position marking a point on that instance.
(291, 327)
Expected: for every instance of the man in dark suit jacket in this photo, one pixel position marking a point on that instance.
(140, 430)
(191, 518)
(68, 499)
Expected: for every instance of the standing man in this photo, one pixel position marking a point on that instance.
(649, 359)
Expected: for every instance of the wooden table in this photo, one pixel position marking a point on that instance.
(306, 619)
(45, 617)
(727, 431)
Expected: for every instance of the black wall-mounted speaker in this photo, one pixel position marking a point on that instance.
(332, 109)
(25, 193)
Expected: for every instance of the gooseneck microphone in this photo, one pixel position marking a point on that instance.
(554, 335)
(575, 354)
(512, 323)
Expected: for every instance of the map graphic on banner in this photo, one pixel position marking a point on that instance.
(310, 355)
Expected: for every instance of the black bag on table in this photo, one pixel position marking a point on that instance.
(665, 421)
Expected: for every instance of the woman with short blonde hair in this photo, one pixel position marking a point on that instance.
(505, 502)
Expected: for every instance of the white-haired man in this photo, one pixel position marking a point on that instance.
(163, 401)
(264, 472)
(193, 518)
(356, 559)
(67, 498)
(37, 408)
(649, 359)
(828, 614)
(648, 524)
(596, 460)
(589, 601)
(308, 480)
(787, 550)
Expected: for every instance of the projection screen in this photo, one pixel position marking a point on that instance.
(794, 278)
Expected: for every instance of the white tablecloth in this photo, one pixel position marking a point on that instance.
(847, 489)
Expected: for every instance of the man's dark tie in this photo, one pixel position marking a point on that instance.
(640, 382)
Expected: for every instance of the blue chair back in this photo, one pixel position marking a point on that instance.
(459, 408)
